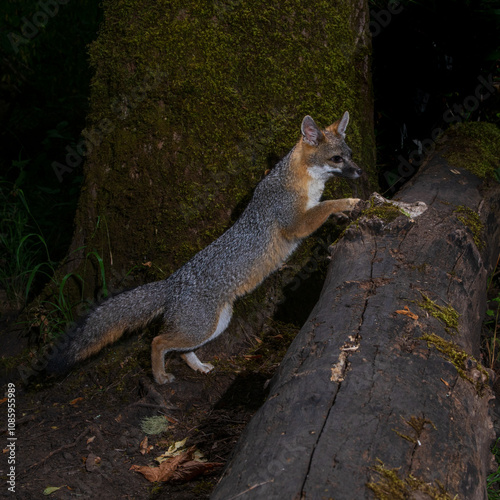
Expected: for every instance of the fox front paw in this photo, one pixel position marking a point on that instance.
(353, 202)
(164, 378)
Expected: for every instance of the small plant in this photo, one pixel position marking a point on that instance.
(53, 315)
(21, 243)
(493, 480)
(491, 325)
(26, 266)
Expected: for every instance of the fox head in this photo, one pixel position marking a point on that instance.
(326, 151)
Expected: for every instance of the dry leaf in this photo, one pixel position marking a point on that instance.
(166, 469)
(90, 439)
(50, 489)
(173, 450)
(179, 468)
(192, 469)
(144, 447)
(406, 311)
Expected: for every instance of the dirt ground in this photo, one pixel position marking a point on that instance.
(83, 433)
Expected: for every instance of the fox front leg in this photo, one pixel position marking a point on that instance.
(317, 215)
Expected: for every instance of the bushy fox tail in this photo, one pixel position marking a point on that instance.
(126, 311)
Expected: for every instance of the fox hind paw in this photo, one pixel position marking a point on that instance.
(205, 367)
(192, 360)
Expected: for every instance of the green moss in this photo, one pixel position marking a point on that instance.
(386, 212)
(155, 490)
(471, 220)
(474, 146)
(9, 363)
(390, 486)
(447, 315)
(421, 268)
(203, 488)
(460, 360)
(418, 425)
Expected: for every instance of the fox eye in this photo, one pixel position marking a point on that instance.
(337, 159)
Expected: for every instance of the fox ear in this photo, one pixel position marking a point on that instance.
(344, 121)
(340, 125)
(311, 133)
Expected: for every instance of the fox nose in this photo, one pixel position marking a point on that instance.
(354, 172)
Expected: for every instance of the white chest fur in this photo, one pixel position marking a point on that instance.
(318, 174)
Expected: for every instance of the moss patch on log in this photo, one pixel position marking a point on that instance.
(466, 365)
(418, 425)
(387, 212)
(471, 220)
(446, 315)
(391, 486)
(474, 146)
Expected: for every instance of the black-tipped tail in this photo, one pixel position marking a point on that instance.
(105, 324)
(62, 356)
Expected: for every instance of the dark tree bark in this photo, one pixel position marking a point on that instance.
(382, 393)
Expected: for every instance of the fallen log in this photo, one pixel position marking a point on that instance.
(382, 393)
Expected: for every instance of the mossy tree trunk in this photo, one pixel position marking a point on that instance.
(382, 394)
(191, 103)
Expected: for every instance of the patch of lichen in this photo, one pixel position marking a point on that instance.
(471, 220)
(195, 98)
(447, 315)
(461, 360)
(390, 486)
(474, 146)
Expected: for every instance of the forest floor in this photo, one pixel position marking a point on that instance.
(82, 435)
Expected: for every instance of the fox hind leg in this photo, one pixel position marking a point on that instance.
(193, 361)
(222, 323)
(159, 348)
(166, 342)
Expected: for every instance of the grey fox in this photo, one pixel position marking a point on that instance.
(196, 302)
